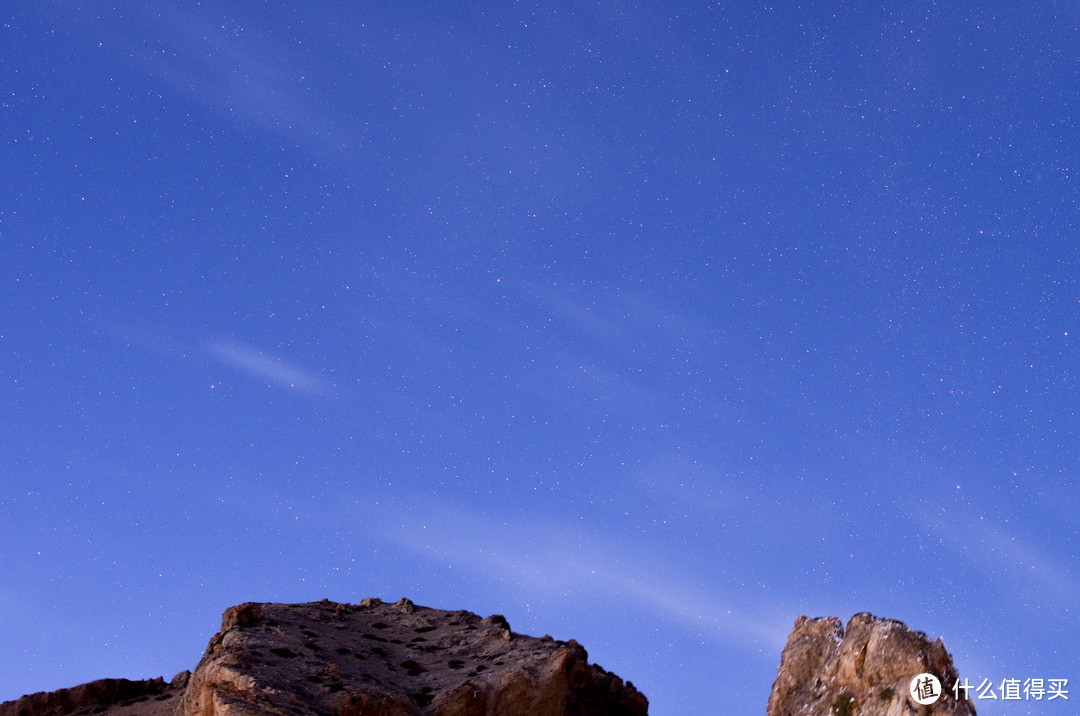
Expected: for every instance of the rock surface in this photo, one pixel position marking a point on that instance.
(372, 658)
(116, 697)
(394, 659)
(380, 659)
(863, 670)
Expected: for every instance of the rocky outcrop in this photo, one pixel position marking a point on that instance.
(117, 697)
(865, 669)
(398, 659)
(371, 658)
(381, 659)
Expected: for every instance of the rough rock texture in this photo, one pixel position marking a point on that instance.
(116, 697)
(863, 670)
(372, 658)
(395, 659)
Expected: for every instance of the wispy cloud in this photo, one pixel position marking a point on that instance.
(558, 559)
(1002, 550)
(269, 368)
(236, 70)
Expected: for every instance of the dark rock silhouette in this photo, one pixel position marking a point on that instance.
(867, 668)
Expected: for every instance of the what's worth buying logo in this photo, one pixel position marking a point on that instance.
(925, 689)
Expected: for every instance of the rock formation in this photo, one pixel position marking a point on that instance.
(372, 658)
(394, 659)
(863, 670)
(116, 697)
(380, 659)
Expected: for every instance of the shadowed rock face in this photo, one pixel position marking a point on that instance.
(865, 669)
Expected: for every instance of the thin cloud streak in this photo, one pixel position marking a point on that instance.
(235, 72)
(557, 560)
(998, 552)
(272, 369)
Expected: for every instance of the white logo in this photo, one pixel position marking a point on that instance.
(925, 689)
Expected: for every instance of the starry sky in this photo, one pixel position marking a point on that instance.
(653, 325)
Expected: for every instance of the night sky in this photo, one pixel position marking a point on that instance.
(653, 325)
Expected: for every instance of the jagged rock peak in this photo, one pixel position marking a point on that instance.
(863, 669)
(399, 659)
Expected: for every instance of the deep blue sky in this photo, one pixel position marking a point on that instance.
(654, 325)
